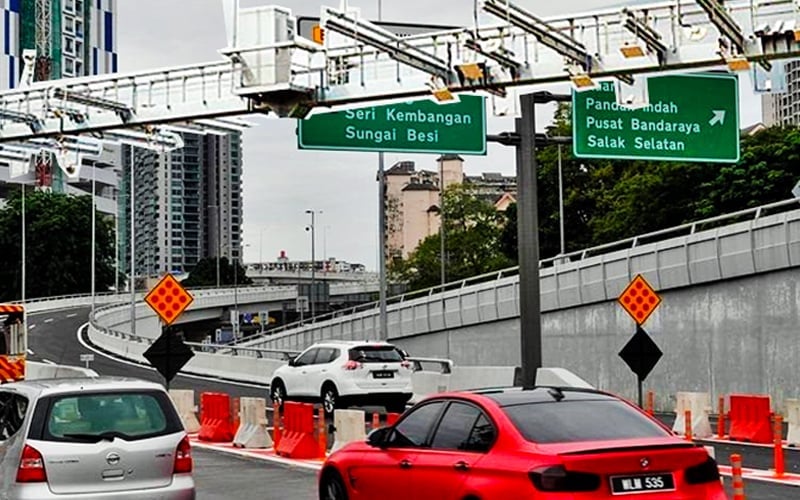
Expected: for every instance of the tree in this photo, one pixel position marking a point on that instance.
(472, 242)
(58, 248)
(205, 273)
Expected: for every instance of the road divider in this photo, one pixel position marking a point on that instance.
(297, 436)
(187, 410)
(793, 421)
(348, 427)
(252, 430)
(215, 418)
(698, 405)
(750, 418)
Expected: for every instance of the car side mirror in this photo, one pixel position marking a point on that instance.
(292, 362)
(377, 438)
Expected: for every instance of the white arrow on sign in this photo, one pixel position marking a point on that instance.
(719, 117)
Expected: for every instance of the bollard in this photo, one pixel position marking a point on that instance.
(276, 424)
(376, 420)
(778, 455)
(738, 482)
(236, 413)
(322, 435)
(650, 404)
(721, 418)
(688, 419)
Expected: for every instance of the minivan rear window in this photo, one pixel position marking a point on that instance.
(574, 421)
(89, 417)
(376, 354)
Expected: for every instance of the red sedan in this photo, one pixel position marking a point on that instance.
(537, 443)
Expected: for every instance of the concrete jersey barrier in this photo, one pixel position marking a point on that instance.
(35, 370)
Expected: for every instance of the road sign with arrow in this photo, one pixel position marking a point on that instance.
(689, 118)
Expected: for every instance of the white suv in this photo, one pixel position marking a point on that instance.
(344, 373)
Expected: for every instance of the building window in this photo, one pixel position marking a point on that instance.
(78, 68)
(68, 28)
(69, 47)
(79, 48)
(79, 28)
(69, 66)
(69, 5)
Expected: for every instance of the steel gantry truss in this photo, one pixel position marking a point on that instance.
(270, 69)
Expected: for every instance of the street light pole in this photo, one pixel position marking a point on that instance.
(561, 200)
(24, 263)
(133, 245)
(383, 332)
(313, 263)
(94, 231)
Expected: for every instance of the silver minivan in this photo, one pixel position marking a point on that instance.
(92, 438)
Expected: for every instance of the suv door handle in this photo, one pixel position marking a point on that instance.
(461, 465)
(405, 464)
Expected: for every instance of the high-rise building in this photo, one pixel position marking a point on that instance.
(188, 204)
(783, 108)
(72, 38)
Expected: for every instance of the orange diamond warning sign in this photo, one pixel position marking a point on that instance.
(639, 299)
(168, 299)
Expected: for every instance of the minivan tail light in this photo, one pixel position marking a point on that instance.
(183, 457)
(406, 364)
(352, 365)
(558, 478)
(31, 466)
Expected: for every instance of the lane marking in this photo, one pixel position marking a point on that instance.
(72, 315)
(120, 360)
(48, 362)
(48, 320)
(260, 456)
(31, 327)
(30, 352)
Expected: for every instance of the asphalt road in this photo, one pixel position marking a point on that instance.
(53, 337)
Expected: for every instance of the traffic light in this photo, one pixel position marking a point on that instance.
(318, 34)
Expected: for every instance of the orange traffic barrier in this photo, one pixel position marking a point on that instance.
(276, 424)
(687, 418)
(391, 418)
(297, 438)
(721, 418)
(650, 403)
(215, 418)
(738, 482)
(778, 455)
(322, 435)
(376, 420)
(750, 418)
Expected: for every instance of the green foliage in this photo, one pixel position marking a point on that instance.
(472, 243)
(205, 273)
(58, 243)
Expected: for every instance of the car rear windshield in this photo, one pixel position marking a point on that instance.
(574, 421)
(376, 354)
(93, 416)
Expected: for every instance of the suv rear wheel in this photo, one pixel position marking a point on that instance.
(330, 398)
(278, 393)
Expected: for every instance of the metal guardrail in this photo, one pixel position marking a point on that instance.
(255, 352)
(576, 256)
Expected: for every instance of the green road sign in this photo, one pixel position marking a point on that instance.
(690, 118)
(412, 127)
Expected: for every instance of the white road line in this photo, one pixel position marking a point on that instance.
(48, 362)
(131, 363)
(30, 352)
(48, 320)
(72, 315)
(31, 327)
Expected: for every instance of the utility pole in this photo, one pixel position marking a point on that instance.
(133, 244)
(383, 332)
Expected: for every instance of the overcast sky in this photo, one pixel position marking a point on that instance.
(281, 182)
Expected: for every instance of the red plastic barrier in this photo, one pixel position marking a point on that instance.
(216, 423)
(391, 418)
(750, 418)
(297, 439)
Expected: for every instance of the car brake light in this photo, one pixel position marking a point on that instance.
(31, 466)
(352, 365)
(183, 457)
(557, 478)
(705, 472)
(406, 364)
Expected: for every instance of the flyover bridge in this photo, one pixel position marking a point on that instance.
(727, 322)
